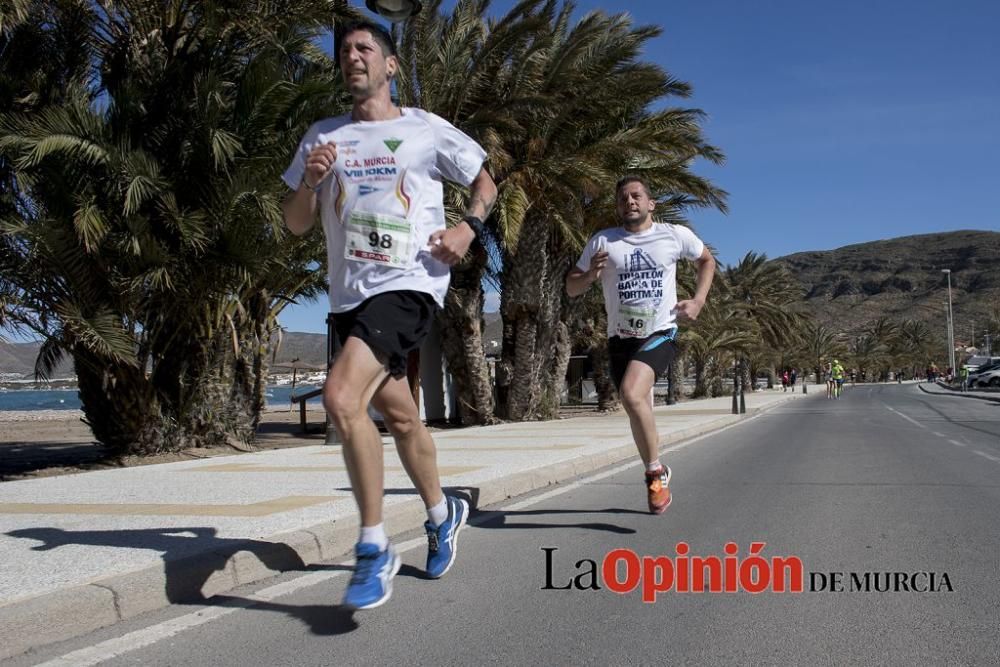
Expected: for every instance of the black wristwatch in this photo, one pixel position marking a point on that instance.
(476, 224)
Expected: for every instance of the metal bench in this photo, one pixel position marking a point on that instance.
(301, 399)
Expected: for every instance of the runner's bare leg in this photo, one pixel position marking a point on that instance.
(356, 375)
(635, 394)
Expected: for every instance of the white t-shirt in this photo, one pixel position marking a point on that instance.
(640, 278)
(384, 199)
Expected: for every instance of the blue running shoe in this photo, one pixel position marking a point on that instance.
(371, 583)
(442, 541)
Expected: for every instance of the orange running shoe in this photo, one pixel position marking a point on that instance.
(656, 490)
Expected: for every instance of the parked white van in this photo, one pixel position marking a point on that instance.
(979, 362)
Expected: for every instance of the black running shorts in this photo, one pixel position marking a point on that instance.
(391, 323)
(657, 351)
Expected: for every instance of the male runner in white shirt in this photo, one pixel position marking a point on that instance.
(636, 263)
(375, 175)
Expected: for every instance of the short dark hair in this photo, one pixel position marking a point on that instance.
(633, 178)
(378, 33)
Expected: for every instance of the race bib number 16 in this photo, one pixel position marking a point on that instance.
(378, 239)
(636, 322)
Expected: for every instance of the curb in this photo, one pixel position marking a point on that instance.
(954, 393)
(68, 613)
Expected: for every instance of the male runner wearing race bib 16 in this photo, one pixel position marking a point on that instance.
(376, 177)
(636, 264)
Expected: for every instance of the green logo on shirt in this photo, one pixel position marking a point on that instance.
(393, 144)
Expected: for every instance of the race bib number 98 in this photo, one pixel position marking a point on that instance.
(378, 239)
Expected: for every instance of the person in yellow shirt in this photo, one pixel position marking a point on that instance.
(837, 373)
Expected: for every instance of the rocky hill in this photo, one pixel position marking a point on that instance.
(18, 359)
(901, 278)
(306, 351)
(308, 348)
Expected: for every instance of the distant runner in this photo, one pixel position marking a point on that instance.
(837, 373)
(636, 264)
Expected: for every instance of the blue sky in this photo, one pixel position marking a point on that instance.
(842, 122)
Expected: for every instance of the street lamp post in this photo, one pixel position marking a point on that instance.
(951, 326)
(394, 10)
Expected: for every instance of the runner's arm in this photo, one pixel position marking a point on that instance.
(299, 208)
(706, 272)
(483, 196)
(690, 308)
(449, 246)
(578, 281)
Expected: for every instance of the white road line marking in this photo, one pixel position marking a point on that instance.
(127, 643)
(909, 419)
(986, 456)
(118, 646)
(940, 435)
(113, 648)
(956, 443)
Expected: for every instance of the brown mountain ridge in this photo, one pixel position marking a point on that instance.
(902, 278)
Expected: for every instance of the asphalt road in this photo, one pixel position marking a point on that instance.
(885, 480)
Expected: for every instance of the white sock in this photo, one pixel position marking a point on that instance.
(653, 466)
(375, 535)
(439, 513)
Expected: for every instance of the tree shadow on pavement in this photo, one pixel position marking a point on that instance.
(23, 458)
(191, 555)
(501, 519)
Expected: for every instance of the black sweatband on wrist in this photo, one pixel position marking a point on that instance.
(476, 224)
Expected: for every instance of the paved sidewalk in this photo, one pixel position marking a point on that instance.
(84, 551)
(940, 389)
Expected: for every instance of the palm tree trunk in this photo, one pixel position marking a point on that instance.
(523, 309)
(607, 395)
(700, 379)
(557, 342)
(554, 373)
(462, 343)
(118, 403)
(748, 373)
(718, 368)
(675, 380)
(524, 383)
(196, 395)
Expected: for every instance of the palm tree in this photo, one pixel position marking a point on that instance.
(769, 296)
(147, 234)
(460, 66)
(885, 334)
(561, 109)
(920, 344)
(588, 126)
(720, 334)
(820, 345)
